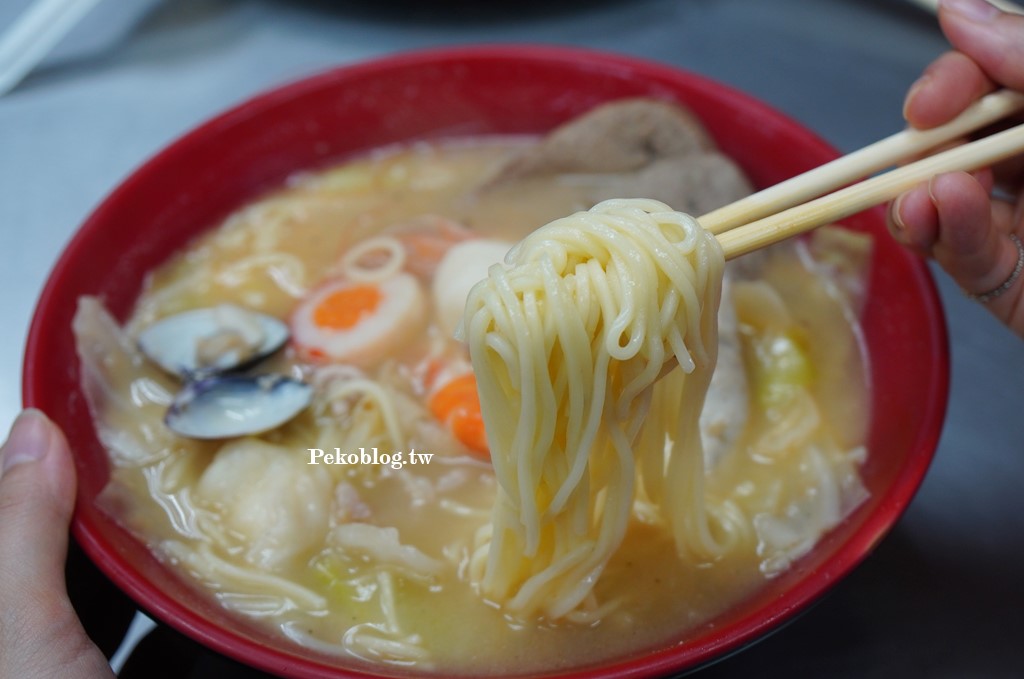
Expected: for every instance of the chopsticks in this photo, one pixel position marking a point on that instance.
(34, 33)
(776, 213)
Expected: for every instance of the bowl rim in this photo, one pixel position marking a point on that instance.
(667, 658)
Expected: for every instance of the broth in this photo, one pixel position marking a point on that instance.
(307, 548)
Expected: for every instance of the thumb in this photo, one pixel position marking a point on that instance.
(994, 39)
(40, 636)
(37, 494)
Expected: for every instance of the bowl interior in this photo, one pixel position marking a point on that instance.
(196, 181)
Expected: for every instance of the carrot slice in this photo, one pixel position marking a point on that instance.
(457, 404)
(343, 309)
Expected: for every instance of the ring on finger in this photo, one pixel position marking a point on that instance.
(984, 297)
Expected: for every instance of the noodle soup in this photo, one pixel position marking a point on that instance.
(352, 527)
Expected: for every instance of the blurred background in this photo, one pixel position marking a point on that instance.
(941, 597)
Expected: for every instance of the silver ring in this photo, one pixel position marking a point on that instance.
(1005, 285)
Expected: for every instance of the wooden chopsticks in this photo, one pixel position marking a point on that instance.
(776, 213)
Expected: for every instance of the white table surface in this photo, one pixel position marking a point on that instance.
(943, 595)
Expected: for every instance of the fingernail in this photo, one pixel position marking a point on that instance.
(931, 191)
(977, 11)
(29, 440)
(895, 217)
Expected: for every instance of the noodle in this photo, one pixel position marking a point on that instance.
(215, 569)
(286, 271)
(567, 345)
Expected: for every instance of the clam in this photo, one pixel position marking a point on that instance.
(202, 347)
(224, 406)
(202, 342)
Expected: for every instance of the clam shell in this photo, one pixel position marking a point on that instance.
(212, 340)
(225, 406)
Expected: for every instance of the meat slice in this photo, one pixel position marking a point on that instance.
(634, 148)
(624, 135)
(695, 184)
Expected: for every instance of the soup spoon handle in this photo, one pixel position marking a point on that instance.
(139, 628)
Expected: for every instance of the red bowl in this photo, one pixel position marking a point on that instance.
(234, 158)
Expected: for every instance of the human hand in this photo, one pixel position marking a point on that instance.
(954, 218)
(40, 635)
